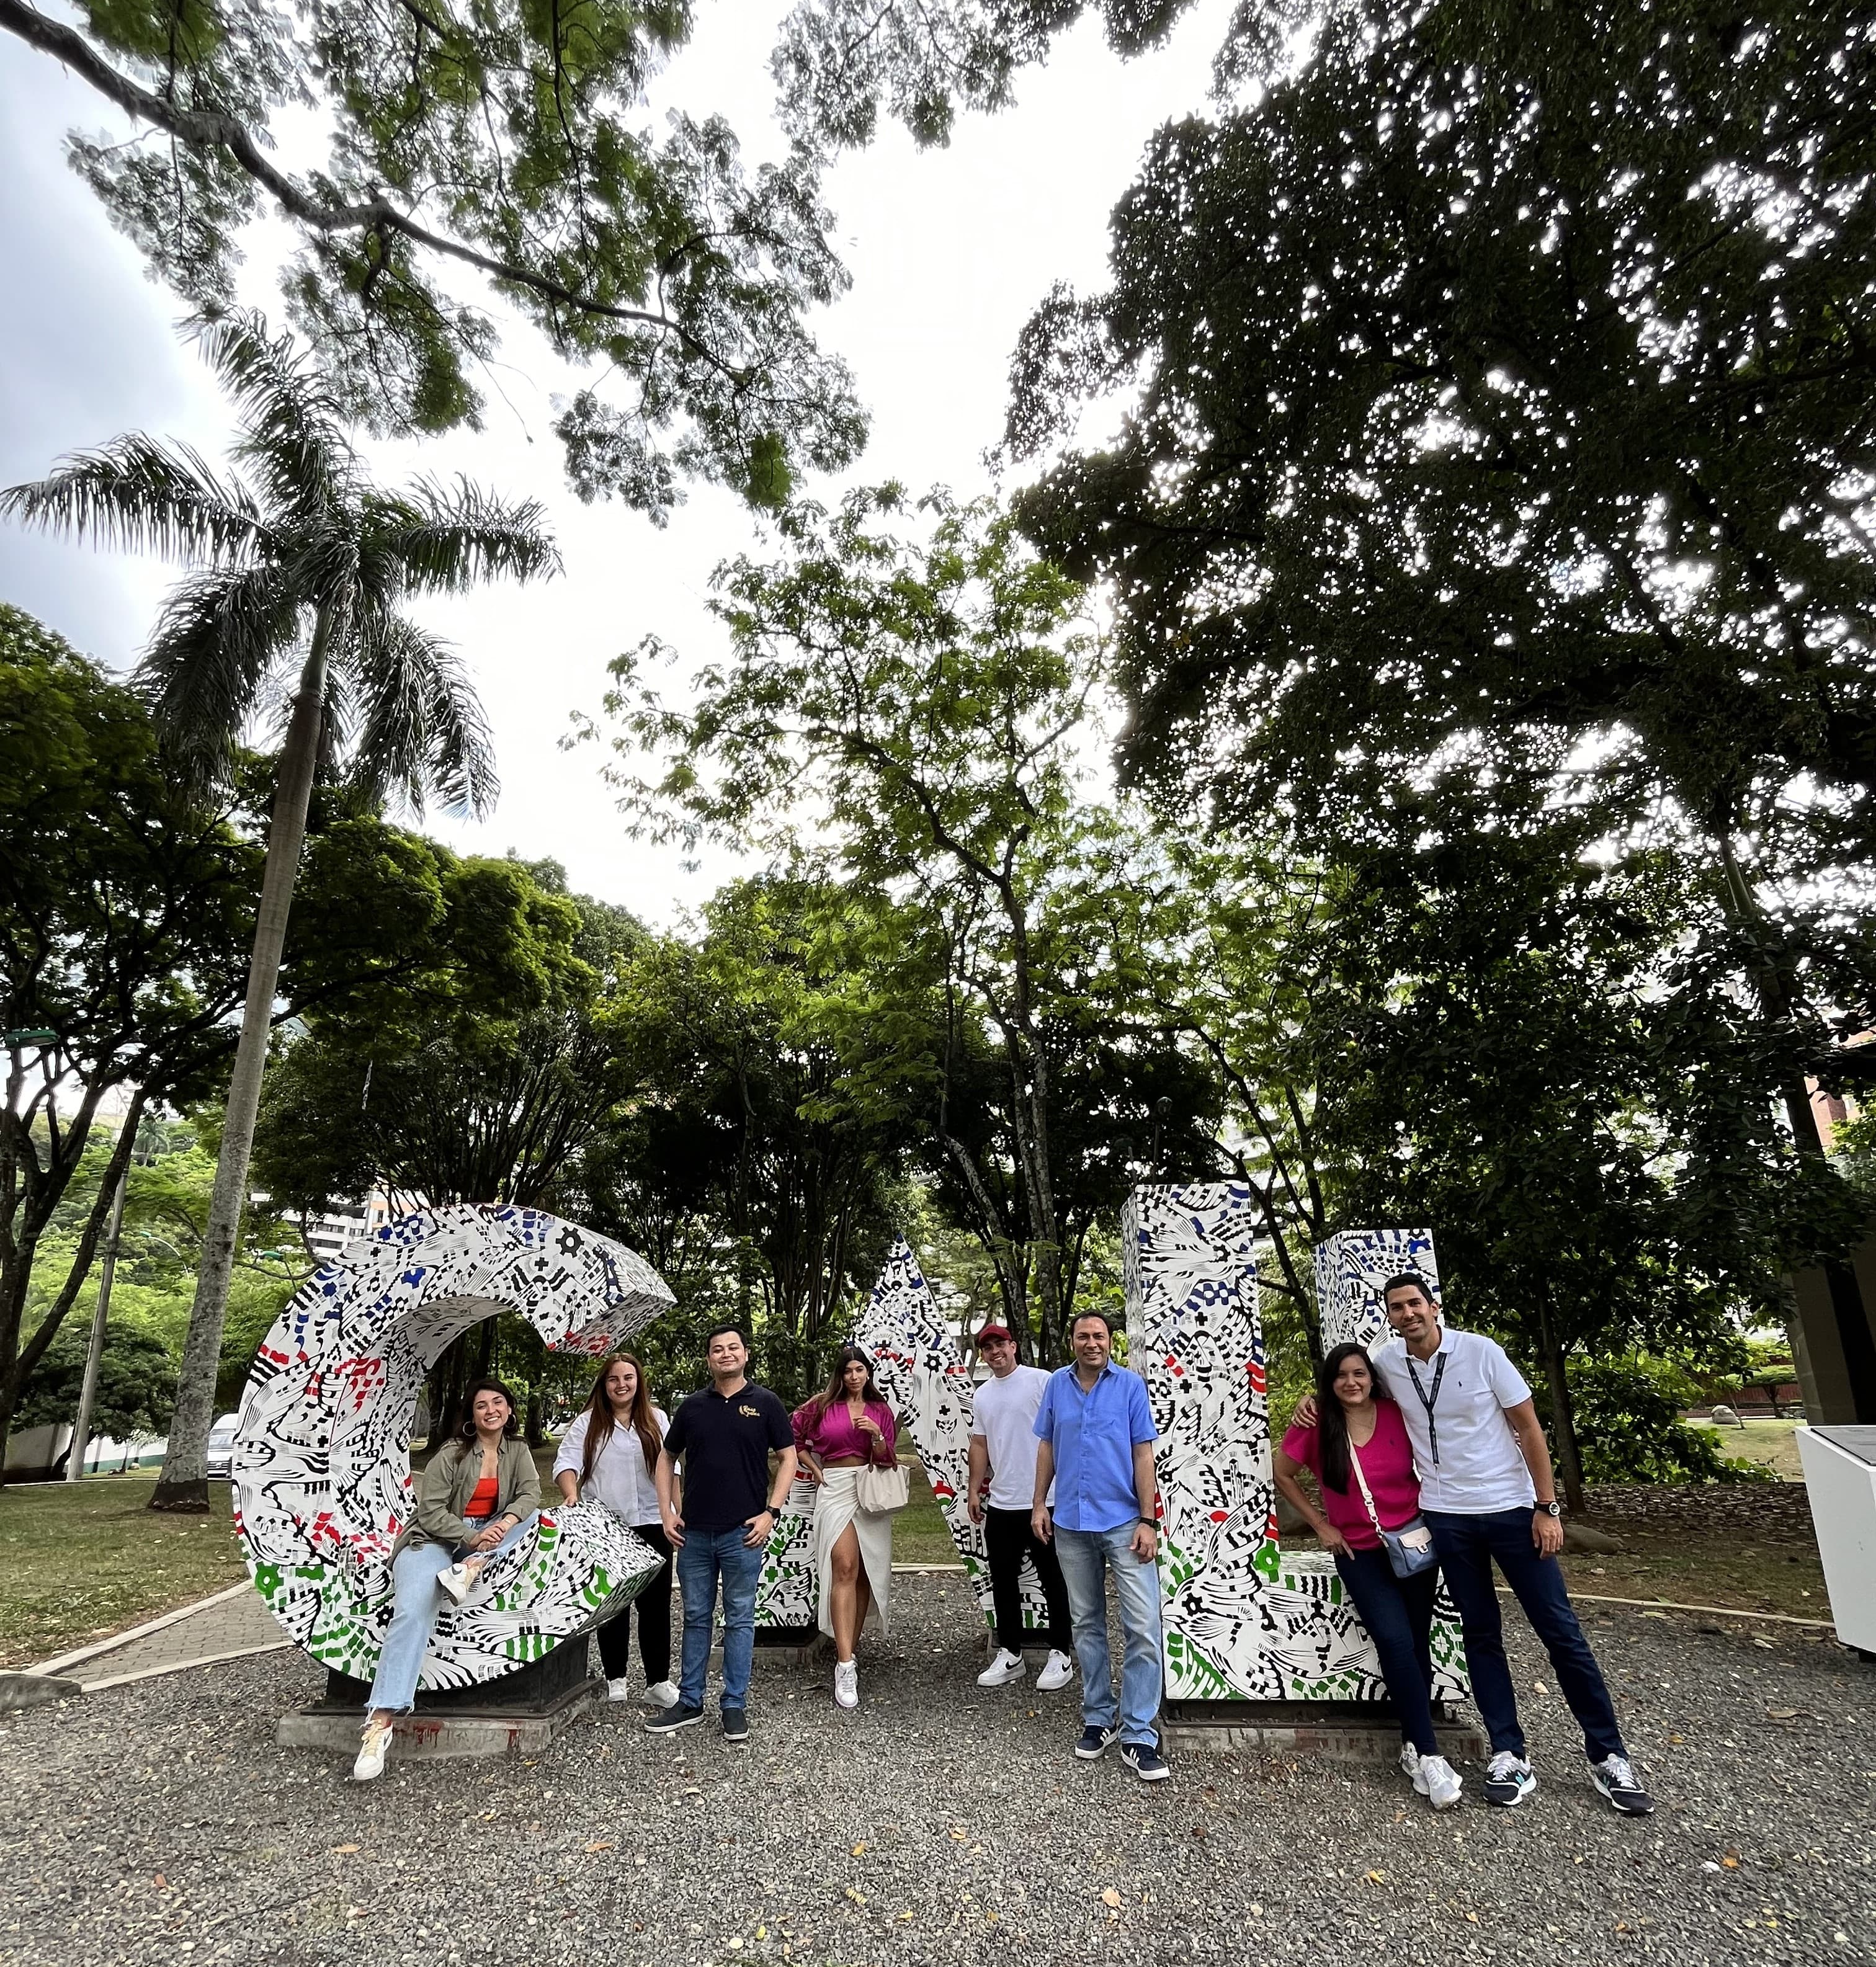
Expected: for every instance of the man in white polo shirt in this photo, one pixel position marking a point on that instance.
(1003, 1450)
(1489, 1497)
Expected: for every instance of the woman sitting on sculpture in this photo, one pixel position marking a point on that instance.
(609, 1456)
(1357, 1448)
(845, 1428)
(474, 1498)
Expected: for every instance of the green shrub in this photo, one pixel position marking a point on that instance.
(1629, 1428)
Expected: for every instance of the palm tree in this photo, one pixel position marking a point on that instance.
(299, 536)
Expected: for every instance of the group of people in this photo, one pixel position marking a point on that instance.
(1428, 1458)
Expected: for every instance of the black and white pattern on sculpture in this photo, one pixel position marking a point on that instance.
(1351, 1268)
(321, 1470)
(916, 1367)
(1243, 1621)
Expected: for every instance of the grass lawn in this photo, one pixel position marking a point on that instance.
(1773, 1444)
(80, 1560)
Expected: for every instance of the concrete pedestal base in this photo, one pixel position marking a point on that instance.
(521, 1712)
(1339, 1731)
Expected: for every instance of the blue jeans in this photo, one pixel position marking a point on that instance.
(1088, 1557)
(417, 1598)
(1398, 1613)
(1468, 1547)
(703, 1558)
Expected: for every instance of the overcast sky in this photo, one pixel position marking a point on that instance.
(949, 250)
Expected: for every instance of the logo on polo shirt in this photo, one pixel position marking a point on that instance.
(754, 1413)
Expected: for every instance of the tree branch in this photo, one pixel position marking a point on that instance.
(215, 129)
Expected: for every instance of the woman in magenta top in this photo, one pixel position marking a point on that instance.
(846, 1426)
(1357, 1436)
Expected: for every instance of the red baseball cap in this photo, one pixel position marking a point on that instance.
(990, 1332)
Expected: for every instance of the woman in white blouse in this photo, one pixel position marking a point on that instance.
(607, 1456)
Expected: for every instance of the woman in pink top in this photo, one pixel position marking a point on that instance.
(843, 1428)
(1357, 1436)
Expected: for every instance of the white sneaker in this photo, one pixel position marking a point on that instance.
(846, 1684)
(453, 1583)
(1410, 1765)
(1058, 1672)
(371, 1752)
(1005, 1667)
(1438, 1781)
(618, 1690)
(664, 1695)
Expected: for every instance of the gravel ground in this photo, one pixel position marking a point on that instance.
(941, 1822)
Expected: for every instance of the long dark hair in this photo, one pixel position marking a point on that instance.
(466, 1434)
(600, 1420)
(835, 1390)
(1332, 1417)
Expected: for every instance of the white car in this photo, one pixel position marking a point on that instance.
(221, 1448)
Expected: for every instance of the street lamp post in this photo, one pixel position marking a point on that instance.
(88, 1392)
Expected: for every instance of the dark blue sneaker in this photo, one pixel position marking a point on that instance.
(1615, 1777)
(669, 1720)
(1145, 1760)
(1093, 1744)
(735, 1725)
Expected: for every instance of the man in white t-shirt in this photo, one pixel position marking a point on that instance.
(1003, 1448)
(1489, 1497)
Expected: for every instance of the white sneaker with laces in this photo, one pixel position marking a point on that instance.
(664, 1695)
(454, 1582)
(1005, 1667)
(371, 1752)
(1438, 1781)
(1059, 1671)
(846, 1684)
(1410, 1763)
(618, 1690)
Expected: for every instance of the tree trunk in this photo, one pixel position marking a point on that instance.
(1563, 1418)
(1846, 1295)
(183, 1485)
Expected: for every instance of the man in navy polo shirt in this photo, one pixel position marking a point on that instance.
(1096, 1437)
(723, 1435)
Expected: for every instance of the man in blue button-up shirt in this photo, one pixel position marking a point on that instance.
(1096, 1432)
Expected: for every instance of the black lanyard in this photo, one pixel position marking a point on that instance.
(1428, 1400)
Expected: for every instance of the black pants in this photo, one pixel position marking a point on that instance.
(1007, 1534)
(1398, 1613)
(652, 1608)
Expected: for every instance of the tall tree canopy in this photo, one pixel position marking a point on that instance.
(504, 147)
(1497, 370)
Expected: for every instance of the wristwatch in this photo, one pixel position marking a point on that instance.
(1151, 1523)
(1551, 1509)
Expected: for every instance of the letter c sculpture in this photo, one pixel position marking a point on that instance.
(321, 1467)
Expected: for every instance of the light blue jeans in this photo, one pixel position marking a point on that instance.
(1088, 1558)
(703, 1558)
(417, 1599)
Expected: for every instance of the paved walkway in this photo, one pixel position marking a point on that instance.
(229, 1626)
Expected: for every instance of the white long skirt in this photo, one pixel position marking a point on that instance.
(836, 1504)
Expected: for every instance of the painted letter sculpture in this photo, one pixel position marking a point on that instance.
(1244, 1619)
(916, 1367)
(322, 1456)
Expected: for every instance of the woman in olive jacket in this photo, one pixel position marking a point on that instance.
(477, 1495)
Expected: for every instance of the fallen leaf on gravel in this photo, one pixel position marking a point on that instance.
(1110, 1897)
(1376, 1878)
(597, 1844)
(162, 1884)
(957, 1835)
(858, 1898)
(860, 1848)
(1676, 1738)
(344, 1850)
(1731, 1862)
(905, 1915)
